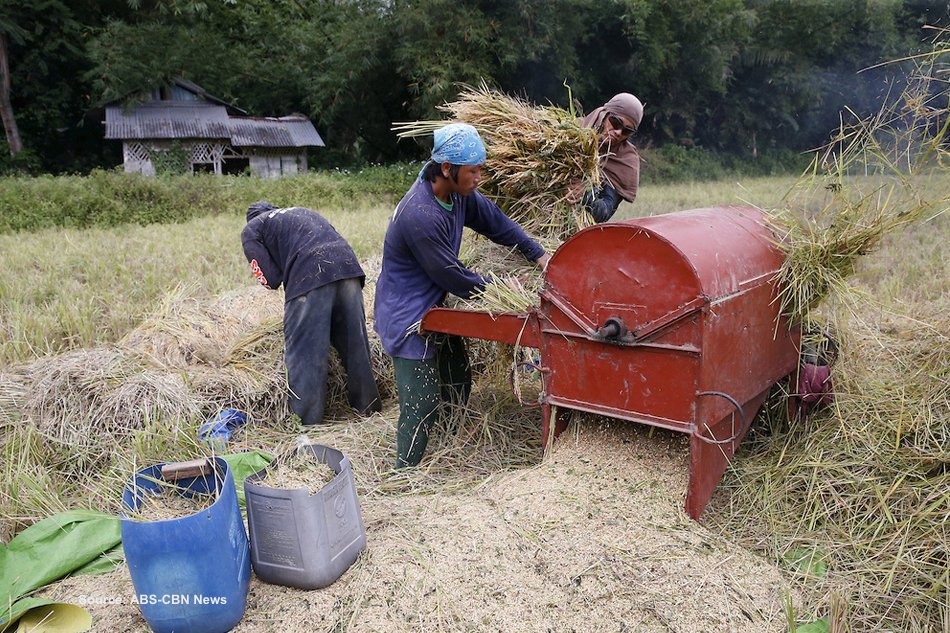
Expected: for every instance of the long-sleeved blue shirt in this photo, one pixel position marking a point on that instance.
(299, 248)
(420, 261)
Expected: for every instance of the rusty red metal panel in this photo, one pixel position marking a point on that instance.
(621, 270)
(648, 383)
(726, 246)
(746, 348)
(710, 451)
(517, 329)
(668, 321)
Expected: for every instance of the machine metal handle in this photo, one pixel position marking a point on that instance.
(738, 407)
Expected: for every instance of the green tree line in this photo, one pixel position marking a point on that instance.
(745, 77)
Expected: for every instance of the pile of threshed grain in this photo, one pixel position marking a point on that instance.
(298, 469)
(477, 556)
(171, 504)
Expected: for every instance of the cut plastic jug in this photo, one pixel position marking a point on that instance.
(303, 540)
(190, 573)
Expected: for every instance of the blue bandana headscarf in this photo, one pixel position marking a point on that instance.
(458, 144)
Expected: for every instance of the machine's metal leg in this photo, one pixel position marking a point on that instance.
(708, 461)
(561, 418)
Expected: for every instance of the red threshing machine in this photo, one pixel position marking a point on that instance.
(669, 321)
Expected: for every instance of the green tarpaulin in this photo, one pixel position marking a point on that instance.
(49, 550)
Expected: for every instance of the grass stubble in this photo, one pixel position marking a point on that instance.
(853, 502)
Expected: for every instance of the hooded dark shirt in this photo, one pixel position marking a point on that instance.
(296, 247)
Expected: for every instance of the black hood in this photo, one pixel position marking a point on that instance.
(259, 207)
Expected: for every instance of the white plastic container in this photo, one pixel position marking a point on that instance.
(305, 540)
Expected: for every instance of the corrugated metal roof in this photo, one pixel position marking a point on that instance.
(259, 133)
(288, 131)
(186, 120)
(167, 119)
(302, 131)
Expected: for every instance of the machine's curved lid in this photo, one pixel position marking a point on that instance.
(655, 265)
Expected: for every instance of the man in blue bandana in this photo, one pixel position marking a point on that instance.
(420, 266)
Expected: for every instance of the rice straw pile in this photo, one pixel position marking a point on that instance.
(855, 500)
(863, 490)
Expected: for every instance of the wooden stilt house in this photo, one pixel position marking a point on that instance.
(182, 128)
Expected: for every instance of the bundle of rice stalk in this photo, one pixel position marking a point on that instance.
(260, 395)
(822, 251)
(516, 282)
(509, 294)
(78, 398)
(892, 152)
(535, 154)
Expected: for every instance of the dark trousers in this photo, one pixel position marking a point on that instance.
(332, 314)
(427, 389)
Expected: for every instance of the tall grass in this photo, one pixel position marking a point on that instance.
(112, 198)
(75, 288)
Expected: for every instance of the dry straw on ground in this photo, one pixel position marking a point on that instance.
(862, 491)
(856, 500)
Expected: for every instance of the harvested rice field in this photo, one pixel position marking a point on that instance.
(487, 534)
(835, 522)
